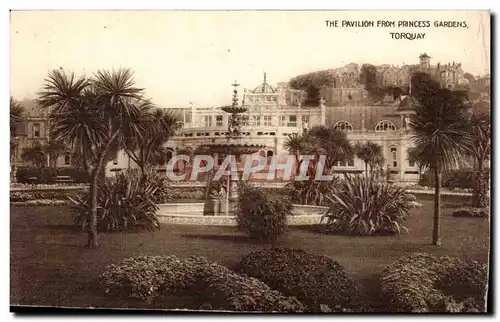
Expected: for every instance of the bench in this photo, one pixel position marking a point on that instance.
(62, 179)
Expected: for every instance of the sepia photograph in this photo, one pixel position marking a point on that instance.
(237, 161)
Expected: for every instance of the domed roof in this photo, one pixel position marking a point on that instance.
(264, 87)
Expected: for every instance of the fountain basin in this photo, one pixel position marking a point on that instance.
(202, 214)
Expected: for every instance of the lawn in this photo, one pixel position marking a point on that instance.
(50, 266)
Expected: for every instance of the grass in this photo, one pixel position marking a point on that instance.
(50, 266)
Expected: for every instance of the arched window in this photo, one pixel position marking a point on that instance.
(36, 130)
(270, 154)
(385, 126)
(343, 126)
(394, 156)
(67, 158)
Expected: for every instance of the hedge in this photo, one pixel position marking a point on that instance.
(48, 175)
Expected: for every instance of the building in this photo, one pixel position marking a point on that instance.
(346, 85)
(271, 117)
(34, 131)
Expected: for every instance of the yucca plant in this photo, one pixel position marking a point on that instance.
(125, 203)
(365, 206)
(312, 192)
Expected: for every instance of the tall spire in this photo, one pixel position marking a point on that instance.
(265, 77)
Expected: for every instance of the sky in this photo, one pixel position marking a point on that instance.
(193, 56)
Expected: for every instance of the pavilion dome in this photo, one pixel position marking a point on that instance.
(264, 88)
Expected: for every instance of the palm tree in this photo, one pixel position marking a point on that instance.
(93, 115)
(159, 126)
(332, 143)
(439, 130)
(16, 115)
(16, 118)
(480, 149)
(296, 144)
(370, 153)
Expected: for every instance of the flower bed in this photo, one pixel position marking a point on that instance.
(40, 202)
(54, 186)
(149, 277)
(314, 279)
(33, 195)
(424, 283)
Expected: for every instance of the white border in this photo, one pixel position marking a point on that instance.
(188, 4)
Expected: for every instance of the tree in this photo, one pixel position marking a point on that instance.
(439, 130)
(368, 76)
(53, 149)
(296, 144)
(370, 153)
(470, 78)
(418, 156)
(159, 126)
(94, 115)
(480, 149)
(320, 140)
(34, 155)
(16, 118)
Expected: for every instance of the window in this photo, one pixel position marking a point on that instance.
(218, 120)
(115, 161)
(411, 163)
(268, 98)
(245, 120)
(344, 163)
(256, 120)
(343, 126)
(394, 155)
(292, 120)
(208, 121)
(349, 96)
(305, 119)
(67, 159)
(385, 126)
(36, 130)
(267, 120)
(282, 120)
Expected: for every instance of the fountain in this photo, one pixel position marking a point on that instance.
(197, 214)
(233, 147)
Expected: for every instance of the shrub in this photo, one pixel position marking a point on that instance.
(424, 283)
(313, 279)
(311, 192)
(463, 179)
(124, 203)
(48, 175)
(366, 206)
(148, 277)
(261, 216)
(472, 212)
(163, 192)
